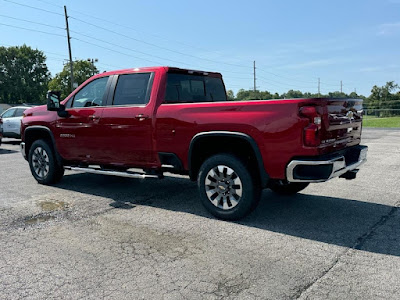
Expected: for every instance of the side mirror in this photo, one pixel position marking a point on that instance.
(61, 112)
(53, 104)
(53, 100)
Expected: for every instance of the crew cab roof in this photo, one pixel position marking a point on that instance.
(164, 68)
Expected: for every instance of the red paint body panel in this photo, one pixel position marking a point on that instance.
(119, 138)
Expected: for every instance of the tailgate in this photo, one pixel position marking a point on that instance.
(342, 123)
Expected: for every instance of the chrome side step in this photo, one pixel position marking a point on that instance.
(113, 173)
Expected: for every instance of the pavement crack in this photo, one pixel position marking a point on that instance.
(357, 246)
(382, 221)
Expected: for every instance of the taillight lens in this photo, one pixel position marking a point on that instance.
(311, 132)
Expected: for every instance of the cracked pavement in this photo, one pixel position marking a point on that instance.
(100, 237)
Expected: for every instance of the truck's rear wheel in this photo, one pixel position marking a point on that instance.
(227, 188)
(43, 164)
(284, 187)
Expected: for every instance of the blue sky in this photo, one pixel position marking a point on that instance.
(293, 42)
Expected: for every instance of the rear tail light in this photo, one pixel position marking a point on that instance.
(312, 131)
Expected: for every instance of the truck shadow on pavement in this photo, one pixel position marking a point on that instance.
(343, 222)
(11, 142)
(7, 151)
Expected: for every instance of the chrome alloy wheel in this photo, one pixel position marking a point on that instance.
(40, 162)
(223, 187)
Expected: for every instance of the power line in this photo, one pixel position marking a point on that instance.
(33, 30)
(32, 22)
(54, 58)
(140, 32)
(128, 27)
(157, 46)
(137, 40)
(49, 3)
(41, 9)
(284, 77)
(283, 84)
(137, 51)
(276, 85)
(127, 48)
(294, 79)
(116, 51)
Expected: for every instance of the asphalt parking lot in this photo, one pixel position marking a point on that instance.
(99, 237)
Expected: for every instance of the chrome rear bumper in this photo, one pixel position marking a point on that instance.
(306, 170)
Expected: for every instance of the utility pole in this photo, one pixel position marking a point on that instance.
(319, 87)
(254, 68)
(69, 50)
(341, 87)
(92, 61)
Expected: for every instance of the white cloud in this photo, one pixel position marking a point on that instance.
(388, 68)
(389, 28)
(313, 63)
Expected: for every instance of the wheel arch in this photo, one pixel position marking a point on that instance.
(37, 132)
(199, 151)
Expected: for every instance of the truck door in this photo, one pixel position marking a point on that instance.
(78, 135)
(126, 121)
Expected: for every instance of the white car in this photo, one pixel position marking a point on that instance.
(12, 121)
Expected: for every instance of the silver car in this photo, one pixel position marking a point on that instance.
(12, 121)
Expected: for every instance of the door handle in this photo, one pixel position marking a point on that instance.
(94, 117)
(141, 117)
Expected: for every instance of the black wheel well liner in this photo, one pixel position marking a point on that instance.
(36, 132)
(225, 140)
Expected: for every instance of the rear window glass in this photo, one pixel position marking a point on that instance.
(132, 89)
(193, 88)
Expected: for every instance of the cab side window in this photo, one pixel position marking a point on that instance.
(133, 89)
(8, 113)
(92, 94)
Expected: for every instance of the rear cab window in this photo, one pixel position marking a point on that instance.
(188, 88)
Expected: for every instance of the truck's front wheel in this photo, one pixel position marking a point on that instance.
(43, 164)
(227, 188)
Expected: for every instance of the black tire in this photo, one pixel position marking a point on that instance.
(283, 187)
(234, 198)
(43, 164)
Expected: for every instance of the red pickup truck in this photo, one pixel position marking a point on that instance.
(164, 119)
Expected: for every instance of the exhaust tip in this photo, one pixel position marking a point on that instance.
(349, 175)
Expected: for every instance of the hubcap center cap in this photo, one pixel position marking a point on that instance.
(222, 186)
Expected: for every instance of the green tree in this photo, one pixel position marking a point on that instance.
(254, 95)
(354, 95)
(293, 94)
(83, 70)
(23, 75)
(230, 95)
(337, 94)
(383, 97)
